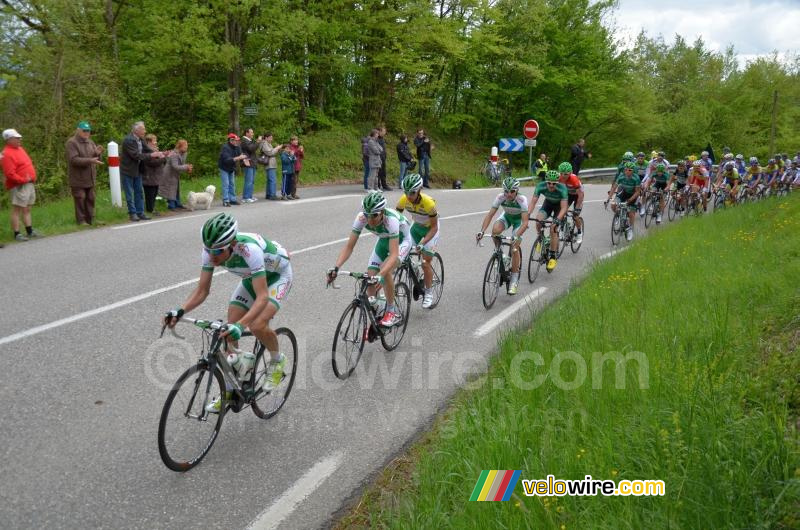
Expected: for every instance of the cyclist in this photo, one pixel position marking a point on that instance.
(740, 165)
(753, 176)
(266, 277)
(627, 157)
(698, 180)
(651, 167)
(424, 230)
(729, 177)
(640, 169)
(392, 247)
(515, 216)
(771, 173)
(706, 161)
(659, 179)
(627, 189)
(796, 182)
(728, 157)
(574, 195)
(680, 177)
(554, 205)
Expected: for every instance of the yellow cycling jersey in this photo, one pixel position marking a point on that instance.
(422, 211)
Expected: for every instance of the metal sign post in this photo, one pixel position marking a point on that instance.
(530, 130)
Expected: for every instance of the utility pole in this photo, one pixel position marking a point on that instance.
(772, 132)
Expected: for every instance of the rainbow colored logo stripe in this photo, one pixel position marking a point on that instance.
(495, 485)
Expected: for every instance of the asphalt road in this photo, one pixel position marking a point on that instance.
(84, 375)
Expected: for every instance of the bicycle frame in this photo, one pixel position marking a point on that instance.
(364, 282)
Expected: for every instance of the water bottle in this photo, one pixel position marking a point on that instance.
(378, 303)
(546, 239)
(246, 363)
(233, 360)
(507, 262)
(417, 269)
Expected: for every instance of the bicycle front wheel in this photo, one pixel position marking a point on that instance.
(186, 430)
(437, 282)
(573, 243)
(267, 403)
(391, 337)
(616, 229)
(535, 260)
(492, 279)
(672, 208)
(348, 342)
(563, 235)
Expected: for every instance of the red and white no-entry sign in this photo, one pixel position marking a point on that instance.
(531, 129)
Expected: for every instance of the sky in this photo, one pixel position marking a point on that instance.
(754, 28)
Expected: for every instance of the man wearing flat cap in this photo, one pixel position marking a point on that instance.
(83, 157)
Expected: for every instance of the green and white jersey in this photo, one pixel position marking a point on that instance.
(394, 225)
(555, 196)
(252, 256)
(513, 208)
(628, 184)
(660, 177)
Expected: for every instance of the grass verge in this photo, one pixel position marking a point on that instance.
(687, 374)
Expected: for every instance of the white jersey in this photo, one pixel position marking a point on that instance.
(513, 208)
(252, 256)
(394, 225)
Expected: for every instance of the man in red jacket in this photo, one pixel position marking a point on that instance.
(19, 176)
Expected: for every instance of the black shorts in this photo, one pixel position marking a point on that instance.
(679, 186)
(550, 209)
(572, 199)
(660, 185)
(624, 196)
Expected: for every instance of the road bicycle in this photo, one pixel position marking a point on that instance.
(722, 197)
(620, 222)
(568, 233)
(653, 206)
(187, 430)
(410, 272)
(498, 270)
(540, 248)
(494, 171)
(359, 323)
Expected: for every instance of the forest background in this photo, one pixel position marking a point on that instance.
(469, 71)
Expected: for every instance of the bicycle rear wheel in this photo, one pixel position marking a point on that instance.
(391, 337)
(649, 212)
(348, 342)
(186, 431)
(492, 279)
(535, 259)
(563, 235)
(267, 404)
(437, 282)
(672, 208)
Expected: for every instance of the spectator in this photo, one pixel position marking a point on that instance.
(424, 149)
(170, 188)
(287, 174)
(249, 148)
(404, 156)
(19, 176)
(540, 166)
(382, 171)
(365, 160)
(133, 154)
(298, 151)
(577, 156)
(269, 158)
(153, 174)
(374, 150)
(228, 156)
(83, 157)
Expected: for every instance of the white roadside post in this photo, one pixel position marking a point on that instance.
(113, 174)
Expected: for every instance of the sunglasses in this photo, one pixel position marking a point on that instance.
(215, 251)
(374, 215)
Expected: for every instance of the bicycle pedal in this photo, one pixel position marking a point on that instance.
(372, 334)
(417, 293)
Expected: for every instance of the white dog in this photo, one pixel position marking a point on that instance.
(202, 199)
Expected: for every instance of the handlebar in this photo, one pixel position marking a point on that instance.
(371, 280)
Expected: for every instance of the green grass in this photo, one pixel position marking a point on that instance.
(710, 407)
(332, 156)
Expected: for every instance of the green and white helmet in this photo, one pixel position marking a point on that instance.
(628, 156)
(374, 202)
(565, 167)
(510, 184)
(412, 182)
(551, 176)
(219, 231)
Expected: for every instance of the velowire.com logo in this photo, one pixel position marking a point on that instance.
(495, 485)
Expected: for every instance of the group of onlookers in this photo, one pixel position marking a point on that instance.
(373, 155)
(252, 152)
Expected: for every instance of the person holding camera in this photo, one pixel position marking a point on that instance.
(424, 149)
(269, 159)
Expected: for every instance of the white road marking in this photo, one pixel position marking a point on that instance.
(613, 253)
(149, 223)
(484, 212)
(284, 505)
(318, 199)
(97, 311)
(507, 312)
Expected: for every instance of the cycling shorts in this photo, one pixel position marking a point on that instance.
(418, 233)
(550, 209)
(278, 286)
(572, 199)
(511, 222)
(381, 252)
(660, 185)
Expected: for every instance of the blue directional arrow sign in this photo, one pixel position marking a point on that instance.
(512, 144)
